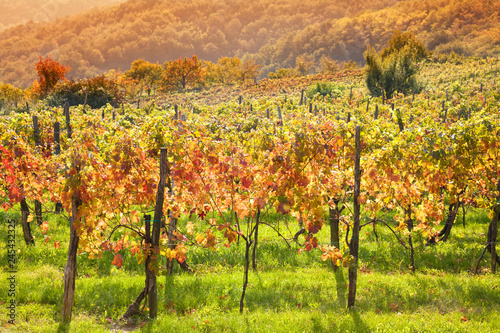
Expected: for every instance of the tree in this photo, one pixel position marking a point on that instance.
(180, 73)
(250, 71)
(50, 72)
(304, 64)
(231, 70)
(228, 70)
(146, 73)
(393, 70)
(95, 92)
(10, 95)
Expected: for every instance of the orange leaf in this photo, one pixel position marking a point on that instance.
(118, 260)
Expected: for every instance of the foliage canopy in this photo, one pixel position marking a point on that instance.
(393, 70)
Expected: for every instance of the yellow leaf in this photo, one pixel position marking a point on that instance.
(190, 228)
(135, 217)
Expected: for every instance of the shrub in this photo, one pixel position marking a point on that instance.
(96, 92)
(324, 89)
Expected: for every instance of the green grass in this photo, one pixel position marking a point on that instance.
(289, 292)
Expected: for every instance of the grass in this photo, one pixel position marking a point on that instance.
(289, 292)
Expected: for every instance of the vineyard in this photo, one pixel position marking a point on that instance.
(288, 201)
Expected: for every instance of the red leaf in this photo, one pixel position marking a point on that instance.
(118, 260)
(246, 182)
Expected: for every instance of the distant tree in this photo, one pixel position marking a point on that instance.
(95, 92)
(304, 64)
(229, 69)
(394, 69)
(226, 70)
(328, 65)
(146, 73)
(180, 73)
(250, 71)
(10, 95)
(50, 72)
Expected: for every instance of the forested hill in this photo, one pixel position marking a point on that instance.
(272, 32)
(462, 26)
(14, 12)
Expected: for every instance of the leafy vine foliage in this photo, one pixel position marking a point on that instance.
(233, 165)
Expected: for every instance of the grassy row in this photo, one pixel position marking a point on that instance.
(289, 292)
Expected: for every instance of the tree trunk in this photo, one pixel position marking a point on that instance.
(134, 307)
(450, 220)
(409, 225)
(25, 212)
(38, 212)
(254, 260)
(248, 244)
(70, 268)
(492, 238)
(354, 244)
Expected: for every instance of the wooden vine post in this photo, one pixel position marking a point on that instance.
(155, 235)
(280, 117)
(354, 244)
(38, 204)
(334, 217)
(57, 151)
(493, 233)
(70, 268)
(172, 225)
(25, 211)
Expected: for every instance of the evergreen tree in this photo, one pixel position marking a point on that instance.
(394, 69)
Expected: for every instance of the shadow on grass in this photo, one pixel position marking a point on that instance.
(64, 327)
(341, 288)
(358, 323)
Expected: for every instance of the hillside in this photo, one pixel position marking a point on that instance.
(14, 12)
(274, 33)
(461, 26)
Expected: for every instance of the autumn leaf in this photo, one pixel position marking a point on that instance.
(118, 260)
(246, 182)
(190, 227)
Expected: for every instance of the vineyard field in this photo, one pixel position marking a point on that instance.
(241, 208)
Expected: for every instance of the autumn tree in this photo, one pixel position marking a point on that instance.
(394, 69)
(10, 95)
(146, 73)
(328, 65)
(304, 64)
(180, 73)
(250, 70)
(50, 72)
(229, 70)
